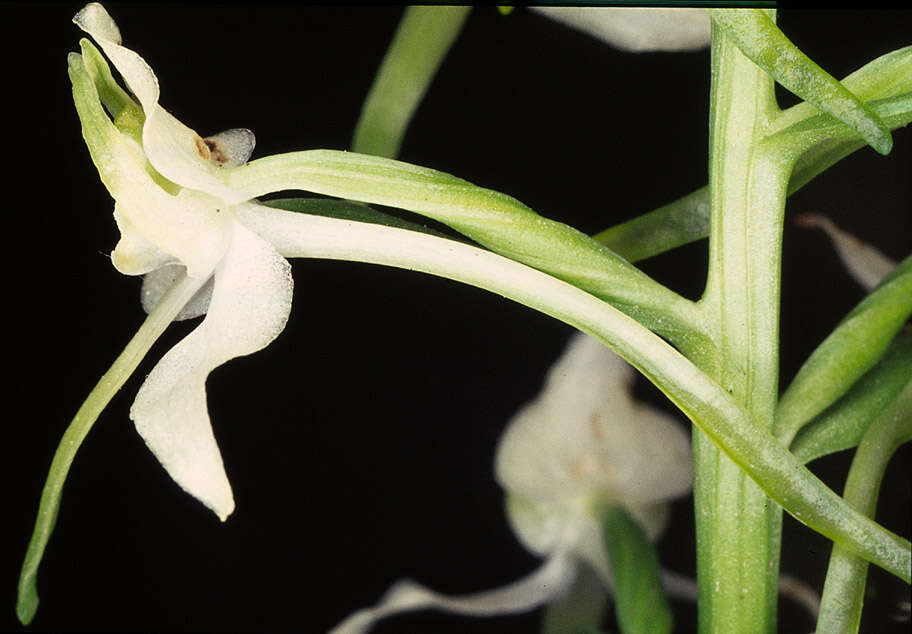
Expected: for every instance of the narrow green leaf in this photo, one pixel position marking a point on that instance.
(422, 40)
(852, 349)
(843, 424)
(886, 76)
(758, 37)
(843, 591)
(639, 596)
(802, 137)
(680, 222)
(883, 81)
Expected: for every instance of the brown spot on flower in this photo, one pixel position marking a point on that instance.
(202, 148)
(217, 151)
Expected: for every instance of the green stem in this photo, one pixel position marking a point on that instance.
(737, 540)
(154, 325)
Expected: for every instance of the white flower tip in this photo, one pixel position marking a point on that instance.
(214, 492)
(94, 18)
(225, 510)
(206, 482)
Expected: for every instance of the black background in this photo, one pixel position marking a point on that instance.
(360, 443)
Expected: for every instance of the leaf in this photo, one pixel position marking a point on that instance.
(852, 349)
(675, 224)
(761, 41)
(883, 81)
(843, 424)
(843, 592)
(639, 596)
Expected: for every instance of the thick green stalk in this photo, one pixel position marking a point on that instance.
(737, 538)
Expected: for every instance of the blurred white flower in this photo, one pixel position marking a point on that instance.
(864, 263)
(638, 29)
(583, 442)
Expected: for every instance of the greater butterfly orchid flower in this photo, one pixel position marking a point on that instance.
(178, 221)
(583, 442)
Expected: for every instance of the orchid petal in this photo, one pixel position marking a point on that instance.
(250, 305)
(551, 580)
(638, 29)
(158, 282)
(865, 263)
(173, 149)
(134, 255)
(187, 226)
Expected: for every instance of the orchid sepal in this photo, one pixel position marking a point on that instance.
(195, 234)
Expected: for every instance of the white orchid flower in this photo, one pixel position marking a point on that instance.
(178, 219)
(583, 442)
(638, 29)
